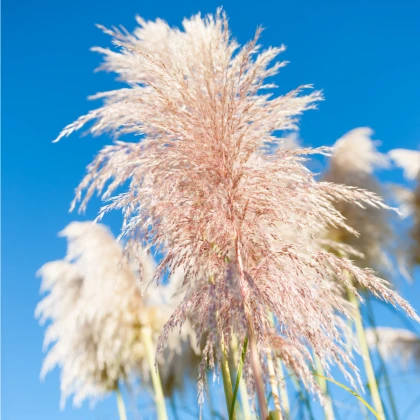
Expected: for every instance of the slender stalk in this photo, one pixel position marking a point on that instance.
(370, 374)
(120, 403)
(283, 390)
(227, 381)
(255, 360)
(362, 400)
(146, 334)
(350, 343)
(256, 369)
(302, 396)
(246, 409)
(275, 415)
(372, 322)
(282, 381)
(322, 382)
(238, 379)
(274, 387)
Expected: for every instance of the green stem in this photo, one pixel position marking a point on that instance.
(120, 403)
(146, 334)
(246, 409)
(302, 396)
(238, 379)
(322, 382)
(254, 356)
(362, 400)
(372, 322)
(227, 381)
(370, 374)
(282, 382)
(283, 390)
(276, 414)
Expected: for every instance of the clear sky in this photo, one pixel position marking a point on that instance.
(365, 55)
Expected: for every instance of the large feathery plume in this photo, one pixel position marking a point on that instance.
(409, 161)
(98, 317)
(208, 189)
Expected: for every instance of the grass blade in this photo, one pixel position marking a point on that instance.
(238, 378)
(363, 401)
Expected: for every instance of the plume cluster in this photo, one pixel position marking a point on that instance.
(395, 344)
(96, 313)
(353, 163)
(209, 187)
(409, 161)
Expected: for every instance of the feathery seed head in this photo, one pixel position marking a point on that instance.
(353, 162)
(395, 344)
(209, 190)
(96, 314)
(409, 161)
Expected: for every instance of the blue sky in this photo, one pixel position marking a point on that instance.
(365, 55)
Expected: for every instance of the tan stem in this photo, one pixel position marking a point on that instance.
(273, 382)
(227, 381)
(255, 360)
(146, 334)
(322, 382)
(370, 374)
(256, 370)
(282, 381)
(283, 390)
(120, 403)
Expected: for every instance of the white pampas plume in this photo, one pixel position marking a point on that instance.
(355, 153)
(353, 162)
(96, 312)
(395, 344)
(409, 161)
(206, 188)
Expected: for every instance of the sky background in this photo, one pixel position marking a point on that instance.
(365, 55)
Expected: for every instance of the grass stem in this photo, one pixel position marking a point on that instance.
(238, 379)
(384, 369)
(121, 406)
(157, 385)
(370, 374)
(322, 382)
(227, 381)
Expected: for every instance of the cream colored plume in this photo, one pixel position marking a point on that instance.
(96, 312)
(353, 163)
(395, 344)
(408, 160)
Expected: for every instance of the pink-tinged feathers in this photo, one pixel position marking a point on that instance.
(205, 181)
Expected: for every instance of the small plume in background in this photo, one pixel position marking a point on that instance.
(96, 311)
(353, 162)
(395, 344)
(409, 161)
